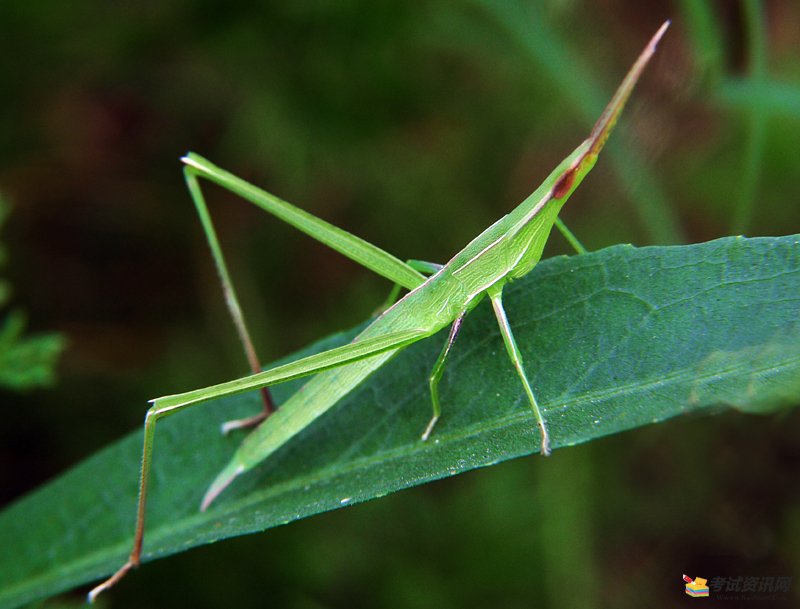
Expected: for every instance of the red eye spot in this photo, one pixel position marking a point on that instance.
(564, 184)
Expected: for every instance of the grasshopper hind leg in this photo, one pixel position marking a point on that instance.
(232, 302)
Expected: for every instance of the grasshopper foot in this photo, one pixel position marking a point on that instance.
(246, 423)
(269, 408)
(95, 592)
(427, 433)
(545, 439)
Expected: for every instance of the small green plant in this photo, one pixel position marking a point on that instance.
(26, 361)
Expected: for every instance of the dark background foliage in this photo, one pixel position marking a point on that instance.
(414, 125)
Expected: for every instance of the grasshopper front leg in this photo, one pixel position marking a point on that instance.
(438, 371)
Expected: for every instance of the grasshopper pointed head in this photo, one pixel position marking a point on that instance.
(536, 215)
(605, 124)
(583, 163)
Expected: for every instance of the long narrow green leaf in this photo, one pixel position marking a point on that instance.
(613, 340)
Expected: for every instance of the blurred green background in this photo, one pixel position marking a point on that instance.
(414, 125)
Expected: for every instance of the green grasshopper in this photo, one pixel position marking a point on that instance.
(505, 251)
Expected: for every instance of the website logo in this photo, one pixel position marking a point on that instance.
(697, 587)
